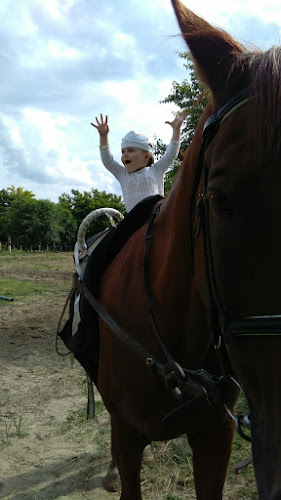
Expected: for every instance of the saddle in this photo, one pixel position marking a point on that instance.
(81, 336)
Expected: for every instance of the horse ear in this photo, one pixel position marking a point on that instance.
(213, 50)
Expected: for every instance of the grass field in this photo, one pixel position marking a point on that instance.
(39, 283)
(25, 275)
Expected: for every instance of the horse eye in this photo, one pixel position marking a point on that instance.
(220, 204)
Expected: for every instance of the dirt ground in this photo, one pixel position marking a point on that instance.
(48, 450)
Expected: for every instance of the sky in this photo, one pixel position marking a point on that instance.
(63, 62)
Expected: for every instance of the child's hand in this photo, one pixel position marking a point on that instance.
(102, 126)
(177, 122)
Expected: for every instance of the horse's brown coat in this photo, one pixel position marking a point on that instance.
(246, 250)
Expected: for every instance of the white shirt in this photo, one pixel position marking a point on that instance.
(145, 182)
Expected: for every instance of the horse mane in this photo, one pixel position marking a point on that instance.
(263, 70)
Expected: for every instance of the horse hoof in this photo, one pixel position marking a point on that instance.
(111, 482)
(147, 455)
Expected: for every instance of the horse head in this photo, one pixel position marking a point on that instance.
(239, 206)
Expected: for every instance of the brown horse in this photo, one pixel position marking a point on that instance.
(220, 287)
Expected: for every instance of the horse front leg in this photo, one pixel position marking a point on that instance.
(111, 482)
(126, 448)
(211, 451)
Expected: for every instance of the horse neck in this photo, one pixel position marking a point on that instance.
(175, 212)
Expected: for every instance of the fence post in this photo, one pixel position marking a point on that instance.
(9, 244)
(91, 398)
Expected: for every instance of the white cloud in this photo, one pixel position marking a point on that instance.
(65, 61)
(61, 50)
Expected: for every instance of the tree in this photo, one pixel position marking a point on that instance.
(65, 227)
(41, 223)
(8, 197)
(19, 192)
(31, 222)
(81, 204)
(188, 95)
(4, 205)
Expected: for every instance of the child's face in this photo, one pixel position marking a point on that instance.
(134, 159)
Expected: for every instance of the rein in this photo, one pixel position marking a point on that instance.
(179, 381)
(122, 335)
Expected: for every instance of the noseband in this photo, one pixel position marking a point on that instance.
(223, 329)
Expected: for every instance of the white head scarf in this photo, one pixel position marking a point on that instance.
(137, 140)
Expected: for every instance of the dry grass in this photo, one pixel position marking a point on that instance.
(36, 383)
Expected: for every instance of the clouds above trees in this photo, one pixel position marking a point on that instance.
(64, 61)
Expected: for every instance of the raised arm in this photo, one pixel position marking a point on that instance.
(173, 148)
(103, 129)
(106, 156)
(176, 125)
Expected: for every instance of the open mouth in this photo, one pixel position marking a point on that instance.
(127, 162)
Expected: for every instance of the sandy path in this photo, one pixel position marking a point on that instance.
(47, 450)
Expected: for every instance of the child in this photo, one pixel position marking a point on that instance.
(140, 179)
(139, 176)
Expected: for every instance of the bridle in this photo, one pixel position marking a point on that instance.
(216, 318)
(223, 329)
(218, 323)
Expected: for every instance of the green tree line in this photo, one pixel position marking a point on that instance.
(34, 224)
